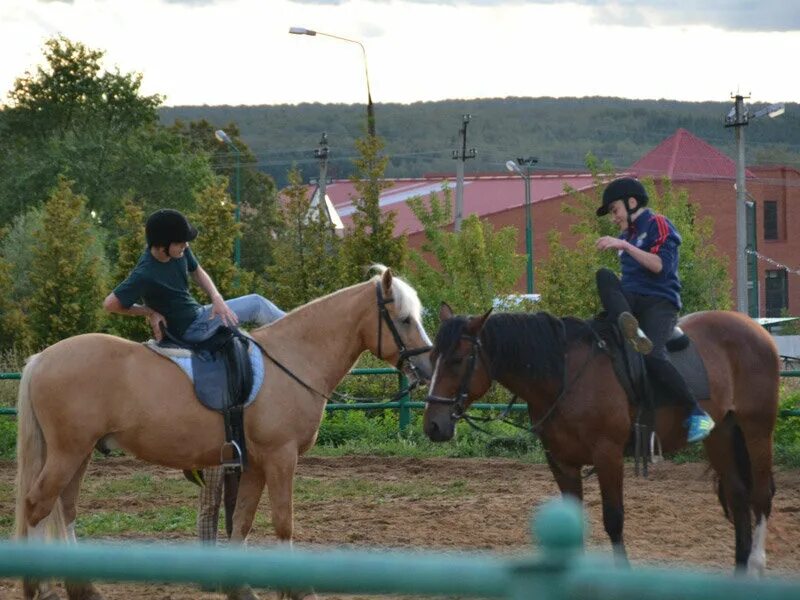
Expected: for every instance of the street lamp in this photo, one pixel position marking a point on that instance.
(738, 117)
(224, 138)
(514, 168)
(370, 112)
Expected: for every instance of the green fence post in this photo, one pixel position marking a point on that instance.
(560, 528)
(405, 409)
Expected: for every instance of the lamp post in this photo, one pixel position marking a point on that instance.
(223, 137)
(739, 117)
(370, 112)
(514, 168)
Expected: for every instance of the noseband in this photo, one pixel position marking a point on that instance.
(404, 353)
(459, 402)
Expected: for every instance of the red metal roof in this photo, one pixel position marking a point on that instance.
(483, 195)
(684, 156)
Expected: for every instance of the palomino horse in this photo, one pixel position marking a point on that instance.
(583, 416)
(93, 386)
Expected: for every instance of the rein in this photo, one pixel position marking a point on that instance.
(405, 354)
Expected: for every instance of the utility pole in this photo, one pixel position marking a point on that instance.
(461, 156)
(739, 117)
(739, 122)
(321, 154)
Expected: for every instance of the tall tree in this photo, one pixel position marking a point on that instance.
(130, 246)
(15, 331)
(258, 195)
(67, 274)
(213, 247)
(567, 278)
(72, 117)
(474, 268)
(371, 239)
(309, 265)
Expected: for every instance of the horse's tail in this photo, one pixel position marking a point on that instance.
(31, 452)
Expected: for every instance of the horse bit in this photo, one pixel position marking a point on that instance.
(459, 401)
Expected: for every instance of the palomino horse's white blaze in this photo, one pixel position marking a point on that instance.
(757, 563)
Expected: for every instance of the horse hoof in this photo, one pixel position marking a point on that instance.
(35, 590)
(242, 593)
(298, 594)
(83, 591)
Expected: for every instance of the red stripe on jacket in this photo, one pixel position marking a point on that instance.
(663, 233)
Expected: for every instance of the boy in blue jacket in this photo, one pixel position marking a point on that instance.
(649, 292)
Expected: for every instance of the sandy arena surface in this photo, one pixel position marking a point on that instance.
(673, 516)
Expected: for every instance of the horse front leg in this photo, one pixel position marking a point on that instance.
(251, 486)
(280, 485)
(608, 462)
(568, 478)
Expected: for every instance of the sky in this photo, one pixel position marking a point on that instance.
(240, 52)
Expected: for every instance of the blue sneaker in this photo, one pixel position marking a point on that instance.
(699, 426)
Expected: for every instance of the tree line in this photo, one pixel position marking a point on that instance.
(84, 159)
(561, 132)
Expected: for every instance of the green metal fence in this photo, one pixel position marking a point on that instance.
(559, 571)
(404, 404)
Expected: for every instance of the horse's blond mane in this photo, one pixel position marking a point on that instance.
(406, 300)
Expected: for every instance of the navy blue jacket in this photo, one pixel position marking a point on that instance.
(654, 233)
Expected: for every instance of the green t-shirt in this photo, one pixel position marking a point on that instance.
(164, 287)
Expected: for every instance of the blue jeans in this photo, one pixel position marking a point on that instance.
(249, 309)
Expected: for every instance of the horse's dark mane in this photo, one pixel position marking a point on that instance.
(515, 343)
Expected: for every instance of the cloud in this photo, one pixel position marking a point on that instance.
(732, 15)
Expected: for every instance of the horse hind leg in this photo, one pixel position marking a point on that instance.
(754, 445)
(76, 590)
(43, 514)
(732, 468)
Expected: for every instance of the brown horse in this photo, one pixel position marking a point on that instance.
(97, 386)
(583, 415)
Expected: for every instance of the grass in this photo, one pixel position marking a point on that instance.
(154, 505)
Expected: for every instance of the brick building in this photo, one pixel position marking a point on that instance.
(707, 174)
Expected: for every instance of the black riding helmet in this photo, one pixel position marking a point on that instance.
(167, 226)
(622, 189)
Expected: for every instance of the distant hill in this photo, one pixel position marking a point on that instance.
(420, 137)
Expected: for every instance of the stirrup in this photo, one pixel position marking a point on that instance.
(230, 456)
(655, 442)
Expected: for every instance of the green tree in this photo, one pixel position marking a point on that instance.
(258, 194)
(309, 248)
(218, 229)
(15, 331)
(71, 117)
(130, 246)
(566, 280)
(371, 239)
(67, 273)
(473, 267)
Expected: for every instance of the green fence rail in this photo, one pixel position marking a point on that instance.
(559, 571)
(404, 404)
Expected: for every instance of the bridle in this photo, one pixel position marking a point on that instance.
(404, 353)
(476, 352)
(458, 402)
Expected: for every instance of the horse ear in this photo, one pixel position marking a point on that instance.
(386, 281)
(445, 312)
(475, 324)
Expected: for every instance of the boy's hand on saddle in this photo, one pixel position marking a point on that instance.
(219, 308)
(156, 319)
(610, 243)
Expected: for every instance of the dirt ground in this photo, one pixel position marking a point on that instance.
(671, 517)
